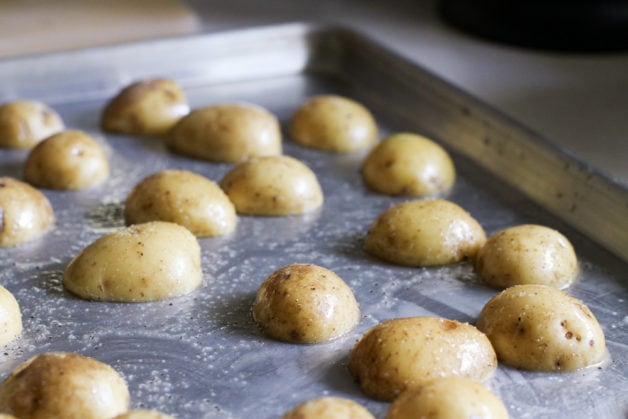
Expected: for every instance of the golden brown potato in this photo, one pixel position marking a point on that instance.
(146, 107)
(10, 317)
(143, 414)
(304, 303)
(24, 123)
(63, 385)
(329, 408)
(227, 133)
(448, 398)
(273, 185)
(527, 254)
(25, 212)
(408, 164)
(333, 123)
(182, 197)
(143, 262)
(425, 233)
(540, 328)
(404, 353)
(67, 160)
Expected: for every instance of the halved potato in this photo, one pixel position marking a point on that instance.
(329, 408)
(24, 123)
(10, 317)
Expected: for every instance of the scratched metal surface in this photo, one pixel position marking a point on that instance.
(201, 355)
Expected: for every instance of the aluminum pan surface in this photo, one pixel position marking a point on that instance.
(201, 355)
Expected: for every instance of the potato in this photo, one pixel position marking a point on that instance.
(540, 328)
(425, 233)
(527, 254)
(228, 133)
(143, 262)
(67, 160)
(10, 317)
(333, 123)
(182, 197)
(63, 385)
(273, 185)
(146, 107)
(408, 164)
(403, 353)
(25, 212)
(329, 408)
(24, 123)
(305, 303)
(143, 414)
(448, 398)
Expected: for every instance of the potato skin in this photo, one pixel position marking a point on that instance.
(425, 233)
(143, 414)
(540, 328)
(67, 160)
(408, 164)
(527, 254)
(10, 317)
(63, 385)
(143, 262)
(333, 123)
(229, 133)
(274, 186)
(24, 123)
(184, 198)
(305, 303)
(448, 398)
(25, 212)
(403, 353)
(329, 408)
(145, 107)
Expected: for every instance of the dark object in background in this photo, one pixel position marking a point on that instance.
(559, 25)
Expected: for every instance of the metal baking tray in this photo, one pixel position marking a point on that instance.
(202, 355)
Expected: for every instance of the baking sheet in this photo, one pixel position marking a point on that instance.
(201, 355)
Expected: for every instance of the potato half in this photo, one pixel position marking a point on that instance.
(305, 303)
(329, 408)
(25, 212)
(333, 123)
(146, 107)
(63, 385)
(184, 198)
(408, 164)
(273, 185)
(404, 353)
(448, 398)
(143, 262)
(425, 233)
(527, 254)
(540, 328)
(228, 133)
(24, 123)
(10, 317)
(67, 160)
(143, 414)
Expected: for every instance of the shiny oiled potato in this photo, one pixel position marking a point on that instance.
(63, 385)
(408, 164)
(448, 398)
(146, 107)
(143, 414)
(143, 262)
(273, 185)
(527, 254)
(67, 160)
(305, 303)
(425, 233)
(333, 123)
(227, 133)
(329, 408)
(404, 353)
(10, 317)
(24, 123)
(26, 213)
(182, 197)
(540, 328)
